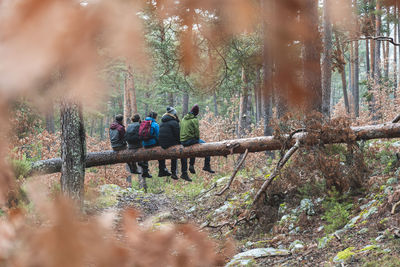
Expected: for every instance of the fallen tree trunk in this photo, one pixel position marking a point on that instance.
(223, 148)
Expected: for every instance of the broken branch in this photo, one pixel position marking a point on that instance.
(233, 174)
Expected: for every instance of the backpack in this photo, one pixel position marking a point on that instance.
(145, 130)
(132, 134)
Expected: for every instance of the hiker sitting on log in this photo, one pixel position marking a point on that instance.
(190, 135)
(117, 139)
(134, 142)
(170, 136)
(149, 132)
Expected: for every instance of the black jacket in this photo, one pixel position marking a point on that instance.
(132, 136)
(169, 131)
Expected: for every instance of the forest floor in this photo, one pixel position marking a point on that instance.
(299, 223)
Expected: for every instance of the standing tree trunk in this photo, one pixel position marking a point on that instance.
(127, 102)
(50, 127)
(356, 96)
(101, 128)
(377, 65)
(267, 89)
(342, 71)
(356, 73)
(351, 69)
(312, 56)
(73, 151)
(185, 103)
(243, 105)
(132, 92)
(387, 49)
(215, 103)
(327, 61)
(367, 63)
(171, 99)
(395, 50)
(257, 96)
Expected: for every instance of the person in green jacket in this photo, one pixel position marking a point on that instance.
(190, 135)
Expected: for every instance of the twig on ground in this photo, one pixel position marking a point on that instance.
(394, 207)
(205, 192)
(397, 119)
(231, 225)
(233, 174)
(277, 169)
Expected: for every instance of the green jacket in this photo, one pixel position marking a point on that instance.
(189, 128)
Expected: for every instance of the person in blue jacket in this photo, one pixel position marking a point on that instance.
(153, 141)
(154, 131)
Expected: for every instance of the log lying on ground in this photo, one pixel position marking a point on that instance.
(223, 148)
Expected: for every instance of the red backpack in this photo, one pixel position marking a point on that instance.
(144, 130)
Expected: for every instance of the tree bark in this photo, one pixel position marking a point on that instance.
(327, 61)
(223, 148)
(342, 71)
(312, 56)
(243, 105)
(395, 50)
(377, 52)
(387, 49)
(267, 88)
(127, 102)
(132, 92)
(73, 151)
(367, 64)
(50, 126)
(171, 99)
(257, 96)
(185, 103)
(356, 96)
(214, 101)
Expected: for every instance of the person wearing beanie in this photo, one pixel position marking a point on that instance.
(118, 141)
(134, 142)
(169, 136)
(190, 135)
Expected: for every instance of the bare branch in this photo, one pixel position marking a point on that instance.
(233, 174)
(278, 167)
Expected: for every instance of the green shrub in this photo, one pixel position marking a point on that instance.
(21, 167)
(337, 211)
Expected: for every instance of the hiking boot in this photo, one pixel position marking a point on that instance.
(185, 177)
(191, 169)
(147, 175)
(163, 173)
(208, 169)
(136, 171)
(174, 176)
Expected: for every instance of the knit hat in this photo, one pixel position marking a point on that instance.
(195, 110)
(171, 110)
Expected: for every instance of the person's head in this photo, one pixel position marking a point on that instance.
(195, 110)
(171, 110)
(153, 114)
(135, 118)
(119, 118)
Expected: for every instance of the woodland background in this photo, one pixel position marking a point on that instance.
(259, 67)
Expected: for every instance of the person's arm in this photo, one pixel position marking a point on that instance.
(121, 131)
(176, 131)
(156, 130)
(196, 128)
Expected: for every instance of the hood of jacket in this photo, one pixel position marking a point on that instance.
(150, 119)
(116, 125)
(168, 117)
(189, 116)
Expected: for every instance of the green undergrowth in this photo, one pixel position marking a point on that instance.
(179, 189)
(337, 211)
(21, 167)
